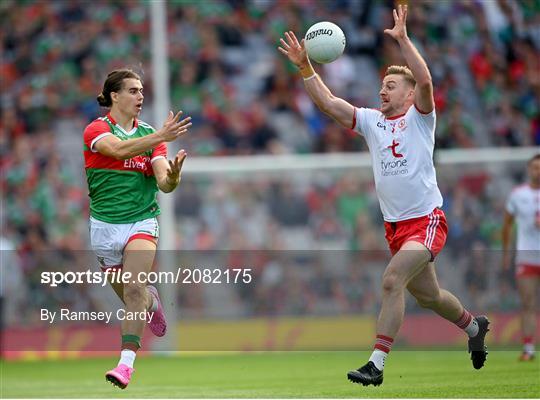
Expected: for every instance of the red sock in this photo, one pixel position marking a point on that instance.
(383, 343)
(464, 320)
(527, 340)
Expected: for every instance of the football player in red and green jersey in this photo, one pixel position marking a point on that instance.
(126, 163)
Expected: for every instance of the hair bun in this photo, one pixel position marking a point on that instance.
(102, 100)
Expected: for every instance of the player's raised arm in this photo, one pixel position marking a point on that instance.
(424, 86)
(172, 129)
(335, 107)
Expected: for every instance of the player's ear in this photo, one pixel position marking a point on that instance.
(114, 96)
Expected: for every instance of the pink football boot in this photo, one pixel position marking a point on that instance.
(120, 376)
(158, 325)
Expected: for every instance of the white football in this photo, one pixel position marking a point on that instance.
(325, 42)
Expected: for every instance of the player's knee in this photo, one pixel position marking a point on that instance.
(134, 293)
(391, 283)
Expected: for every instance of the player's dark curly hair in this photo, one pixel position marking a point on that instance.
(114, 83)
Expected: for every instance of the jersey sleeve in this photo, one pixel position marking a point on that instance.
(428, 119)
(98, 129)
(360, 122)
(160, 151)
(511, 207)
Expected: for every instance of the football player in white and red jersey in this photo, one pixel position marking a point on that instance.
(401, 138)
(523, 208)
(125, 163)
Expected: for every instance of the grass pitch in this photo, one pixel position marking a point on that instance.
(432, 374)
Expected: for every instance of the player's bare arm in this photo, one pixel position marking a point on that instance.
(507, 227)
(167, 172)
(424, 86)
(335, 107)
(172, 129)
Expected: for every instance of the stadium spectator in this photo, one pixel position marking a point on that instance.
(77, 44)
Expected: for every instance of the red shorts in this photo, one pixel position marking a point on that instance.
(527, 270)
(430, 230)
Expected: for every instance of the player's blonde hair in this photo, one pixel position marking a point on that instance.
(401, 70)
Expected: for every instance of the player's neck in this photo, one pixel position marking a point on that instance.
(125, 121)
(534, 185)
(393, 113)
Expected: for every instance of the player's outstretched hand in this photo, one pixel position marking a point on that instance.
(175, 167)
(294, 50)
(399, 31)
(174, 127)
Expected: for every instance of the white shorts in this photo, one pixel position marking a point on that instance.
(109, 240)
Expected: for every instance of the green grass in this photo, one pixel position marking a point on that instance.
(432, 374)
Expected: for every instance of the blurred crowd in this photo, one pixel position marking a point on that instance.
(246, 98)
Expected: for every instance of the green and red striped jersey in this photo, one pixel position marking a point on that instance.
(121, 191)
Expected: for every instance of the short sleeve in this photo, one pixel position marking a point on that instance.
(160, 151)
(511, 204)
(359, 121)
(428, 118)
(98, 129)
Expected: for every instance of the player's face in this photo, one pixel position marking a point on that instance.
(394, 94)
(534, 172)
(129, 99)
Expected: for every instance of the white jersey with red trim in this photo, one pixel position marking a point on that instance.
(401, 151)
(524, 204)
